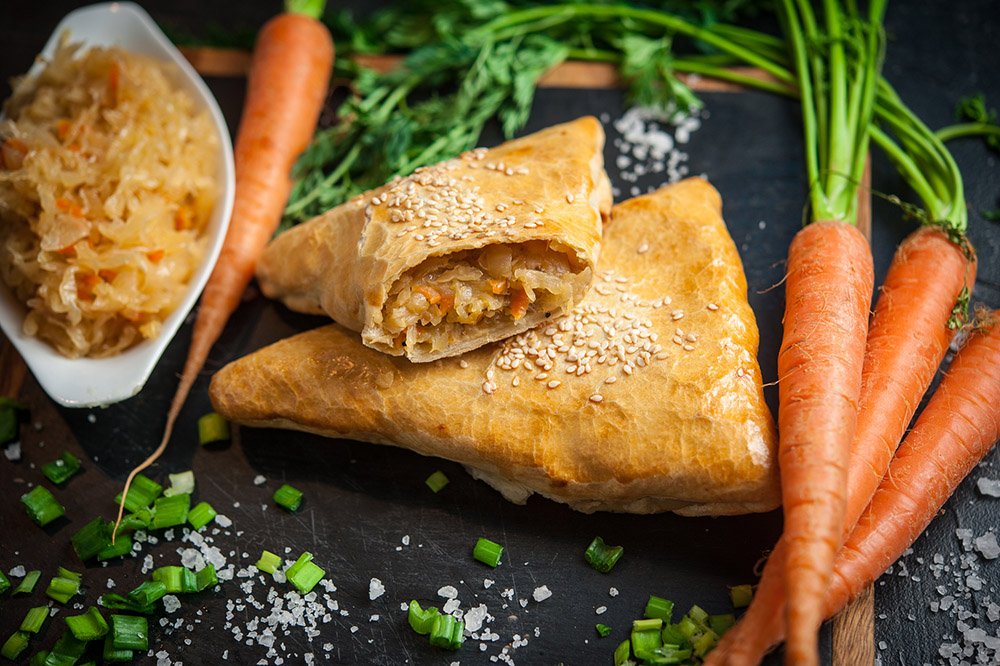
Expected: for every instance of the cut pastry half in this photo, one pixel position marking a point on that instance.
(645, 397)
(458, 255)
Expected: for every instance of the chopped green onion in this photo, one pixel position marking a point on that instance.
(207, 578)
(60, 469)
(659, 607)
(137, 520)
(721, 623)
(601, 556)
(91, 539)
(38, 659)
(121, 546)
(88, 627)
(67, 650)
(148, 592)
(421, 620)
(129, 632)
(704, 643)
(437, 481)
(201, 515)
(141, 493)
(180, 484)
(622, 652)
(648, 624)
(34, 619)
(4, 583)
(268, 562)
(447, 632)
(118, 602)
(304, 574)
(9, 409)
(645, 641)
(488, 552)
(212, 428)
(15, 645)
(699, 616)
(741, 595)
(288, 497)
(668, 654)
(112, 654)
(27, 585)
(171, 511)
(672, 635)
(42, 506)
(602, 629)
(689, 629)
(63, 586)
(178, 580)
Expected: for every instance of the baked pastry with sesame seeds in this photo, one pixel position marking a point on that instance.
(645, 397)
(459, 254)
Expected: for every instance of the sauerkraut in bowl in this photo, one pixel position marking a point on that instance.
(107, 183)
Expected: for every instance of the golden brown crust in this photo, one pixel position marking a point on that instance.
(548, 186)
(652, 420)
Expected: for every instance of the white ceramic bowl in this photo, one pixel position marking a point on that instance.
(86, 382)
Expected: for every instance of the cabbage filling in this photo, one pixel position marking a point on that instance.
(431, 305)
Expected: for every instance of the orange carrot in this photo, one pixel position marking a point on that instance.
(907, 340)
(827, 297)
(518, 303)
(286, 87)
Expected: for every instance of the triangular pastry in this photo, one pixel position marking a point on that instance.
(646, 397)
(459, 254)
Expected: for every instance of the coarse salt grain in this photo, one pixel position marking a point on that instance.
(541, 593)
(375, 589)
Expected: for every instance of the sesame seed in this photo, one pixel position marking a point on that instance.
(569, 197)
(712, 306)
(643, 249)
(597, 397)
(541, 376)
(661, 355)
(610, 380)
(463, 364)
(678, 340)
(515, 382)
(677, 314)
(691, 337)
(554, 384)
(688, 347)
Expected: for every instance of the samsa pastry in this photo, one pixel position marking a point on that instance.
(459, 254)
(645, 397)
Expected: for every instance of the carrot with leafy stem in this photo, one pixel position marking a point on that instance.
(286, 88)
(828, 292)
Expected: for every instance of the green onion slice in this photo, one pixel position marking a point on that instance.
(602, 629)
(601, 556)
(121, 546)
(67, 650)
(63, 586)
(113, 654)
(622, 652)
(141, 493)
(4, 582)
(437, 481)
(288, 497)
(704, 643)
(9, 409)
(304, 574)
(420, 619)
(88, 627)
(447, 632)
(207, 578)
(177, 580)
(721, 623)
(14, 645)
(171, 511)
(645, 641)
(34, 619)
(672, 635)
(659, 607)
(129, 632)
(741, 595)
(201, 515)
(27, 585)
(38, 659)
(42, 506)
(212, 428)
(148, 592)
(268, 562)
(91, 539)
(60, 469)
(138, 520)
(118, 602)
(488, 552)
(180, 484)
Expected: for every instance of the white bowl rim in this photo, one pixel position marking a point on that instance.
(88, 382)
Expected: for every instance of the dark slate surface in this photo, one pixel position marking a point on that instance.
(363, 499)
